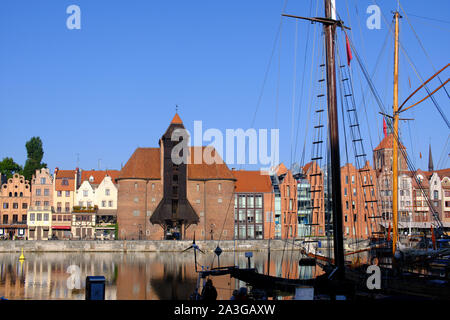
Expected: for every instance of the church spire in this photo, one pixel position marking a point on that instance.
(430, 161)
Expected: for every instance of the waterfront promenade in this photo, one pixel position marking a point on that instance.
(144, 245)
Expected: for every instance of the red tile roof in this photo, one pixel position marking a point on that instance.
(62, 175)
(145, 163)
(281, 169)
(252, 181)
(386, 143)
(99, 175)
(176, 119)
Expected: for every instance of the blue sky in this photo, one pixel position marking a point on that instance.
(112, 86)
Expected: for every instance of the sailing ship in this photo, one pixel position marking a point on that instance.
(342, 279)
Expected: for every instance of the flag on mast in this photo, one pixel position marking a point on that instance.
(349, 51)
(384, 127)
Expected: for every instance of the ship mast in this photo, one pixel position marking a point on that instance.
(394, 142)
(330, 23)
(333, 132)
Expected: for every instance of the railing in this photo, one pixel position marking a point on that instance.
(41, 208)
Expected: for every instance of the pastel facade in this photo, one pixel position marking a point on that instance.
(97, 195)
(15, 198)
(65, 184)
(40, 213)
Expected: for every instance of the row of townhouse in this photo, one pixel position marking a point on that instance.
(66, 205)
(423, 196)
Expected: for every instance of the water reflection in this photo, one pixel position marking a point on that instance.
(130, 276)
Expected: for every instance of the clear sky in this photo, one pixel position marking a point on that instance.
(99, 92)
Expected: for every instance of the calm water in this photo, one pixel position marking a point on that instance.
(130, 276)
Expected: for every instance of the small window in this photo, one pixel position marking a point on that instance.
(43, 181)
(198, 187)
(67, 193)
(85, 193)
(103, 203)
(107, 192)
(46, 192)
(220, 187)
(110, 204)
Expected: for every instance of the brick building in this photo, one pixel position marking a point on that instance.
(359, 201)
(158, 199)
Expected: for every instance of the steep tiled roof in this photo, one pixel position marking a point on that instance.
(176, 119)
(99, 175)
(252, 181)
(281, 169)
(145, 163)
(208, 171)
(386, 143)
(63, 175)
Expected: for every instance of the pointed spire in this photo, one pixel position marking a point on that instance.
(430, 161)
(176, 119)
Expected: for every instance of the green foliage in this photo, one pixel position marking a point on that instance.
(9, 167)
(35, 153)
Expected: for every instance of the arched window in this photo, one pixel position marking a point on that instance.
(21, 194)
(436, 195)
(10, 194)
(15, 194)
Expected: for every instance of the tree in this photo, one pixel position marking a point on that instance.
(35, 153)
(8, 167)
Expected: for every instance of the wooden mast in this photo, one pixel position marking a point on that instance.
(333, 132)
(395, 142)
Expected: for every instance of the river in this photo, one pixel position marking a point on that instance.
(131, 276)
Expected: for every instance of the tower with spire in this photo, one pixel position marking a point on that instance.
(174, 213)
(430, 161)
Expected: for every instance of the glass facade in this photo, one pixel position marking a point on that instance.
(248, 216)
(304, 207)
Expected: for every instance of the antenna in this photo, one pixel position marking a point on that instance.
(176, 108)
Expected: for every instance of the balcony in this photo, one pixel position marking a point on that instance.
(78, 209)
(41, 208)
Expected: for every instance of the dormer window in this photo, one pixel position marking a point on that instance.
(65, 182)
(91, 179)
